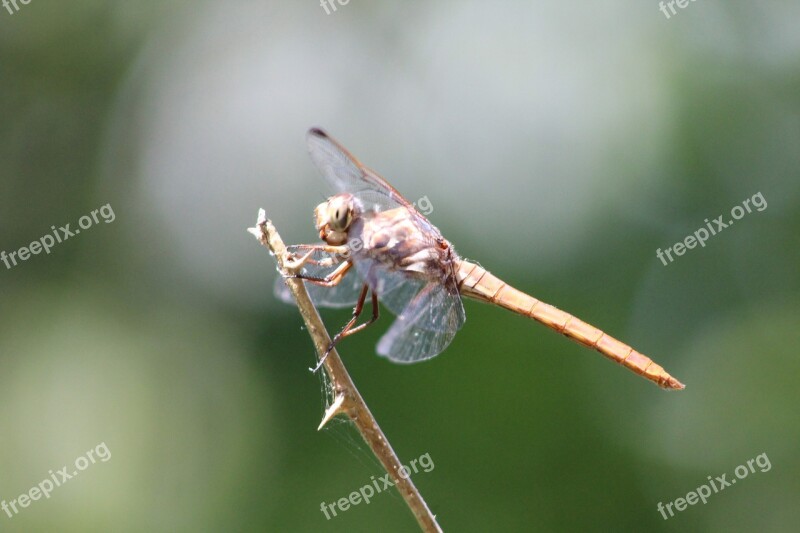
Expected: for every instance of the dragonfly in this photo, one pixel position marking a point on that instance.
(376, 243)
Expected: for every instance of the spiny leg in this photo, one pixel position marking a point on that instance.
(349, 331)
(340, 250)
(356, 313)
(335, 255)
(331, 280)
(348, 328)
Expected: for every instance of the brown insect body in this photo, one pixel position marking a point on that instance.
(405, 262)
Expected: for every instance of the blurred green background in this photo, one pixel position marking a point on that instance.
(560, 144)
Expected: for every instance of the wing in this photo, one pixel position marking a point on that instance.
(428, 308)
(395, 256)
(395, 288)
(425, 328)
(343, 294)
(345, 173)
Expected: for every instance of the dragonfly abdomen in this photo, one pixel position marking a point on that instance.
(476, 282)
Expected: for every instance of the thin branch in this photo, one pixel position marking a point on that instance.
(347, 399)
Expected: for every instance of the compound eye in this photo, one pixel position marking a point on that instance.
(339, 216)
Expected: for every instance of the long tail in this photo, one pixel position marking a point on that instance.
(475, 282)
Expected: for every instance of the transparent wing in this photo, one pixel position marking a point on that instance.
(429, 313)
(426, 327)
(321, 263)
(345, 173)
(395, 288)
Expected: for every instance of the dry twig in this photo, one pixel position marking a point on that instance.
(346, 398)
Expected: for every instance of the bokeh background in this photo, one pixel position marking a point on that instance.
(560, 144)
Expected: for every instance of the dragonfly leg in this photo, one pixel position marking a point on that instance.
(336, 254)
(294, 262)
(341, 250)
(331, 280)
(348, 328)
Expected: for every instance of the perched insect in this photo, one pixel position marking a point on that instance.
(377, 243)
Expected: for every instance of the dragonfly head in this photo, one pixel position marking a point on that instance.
(334, 216)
